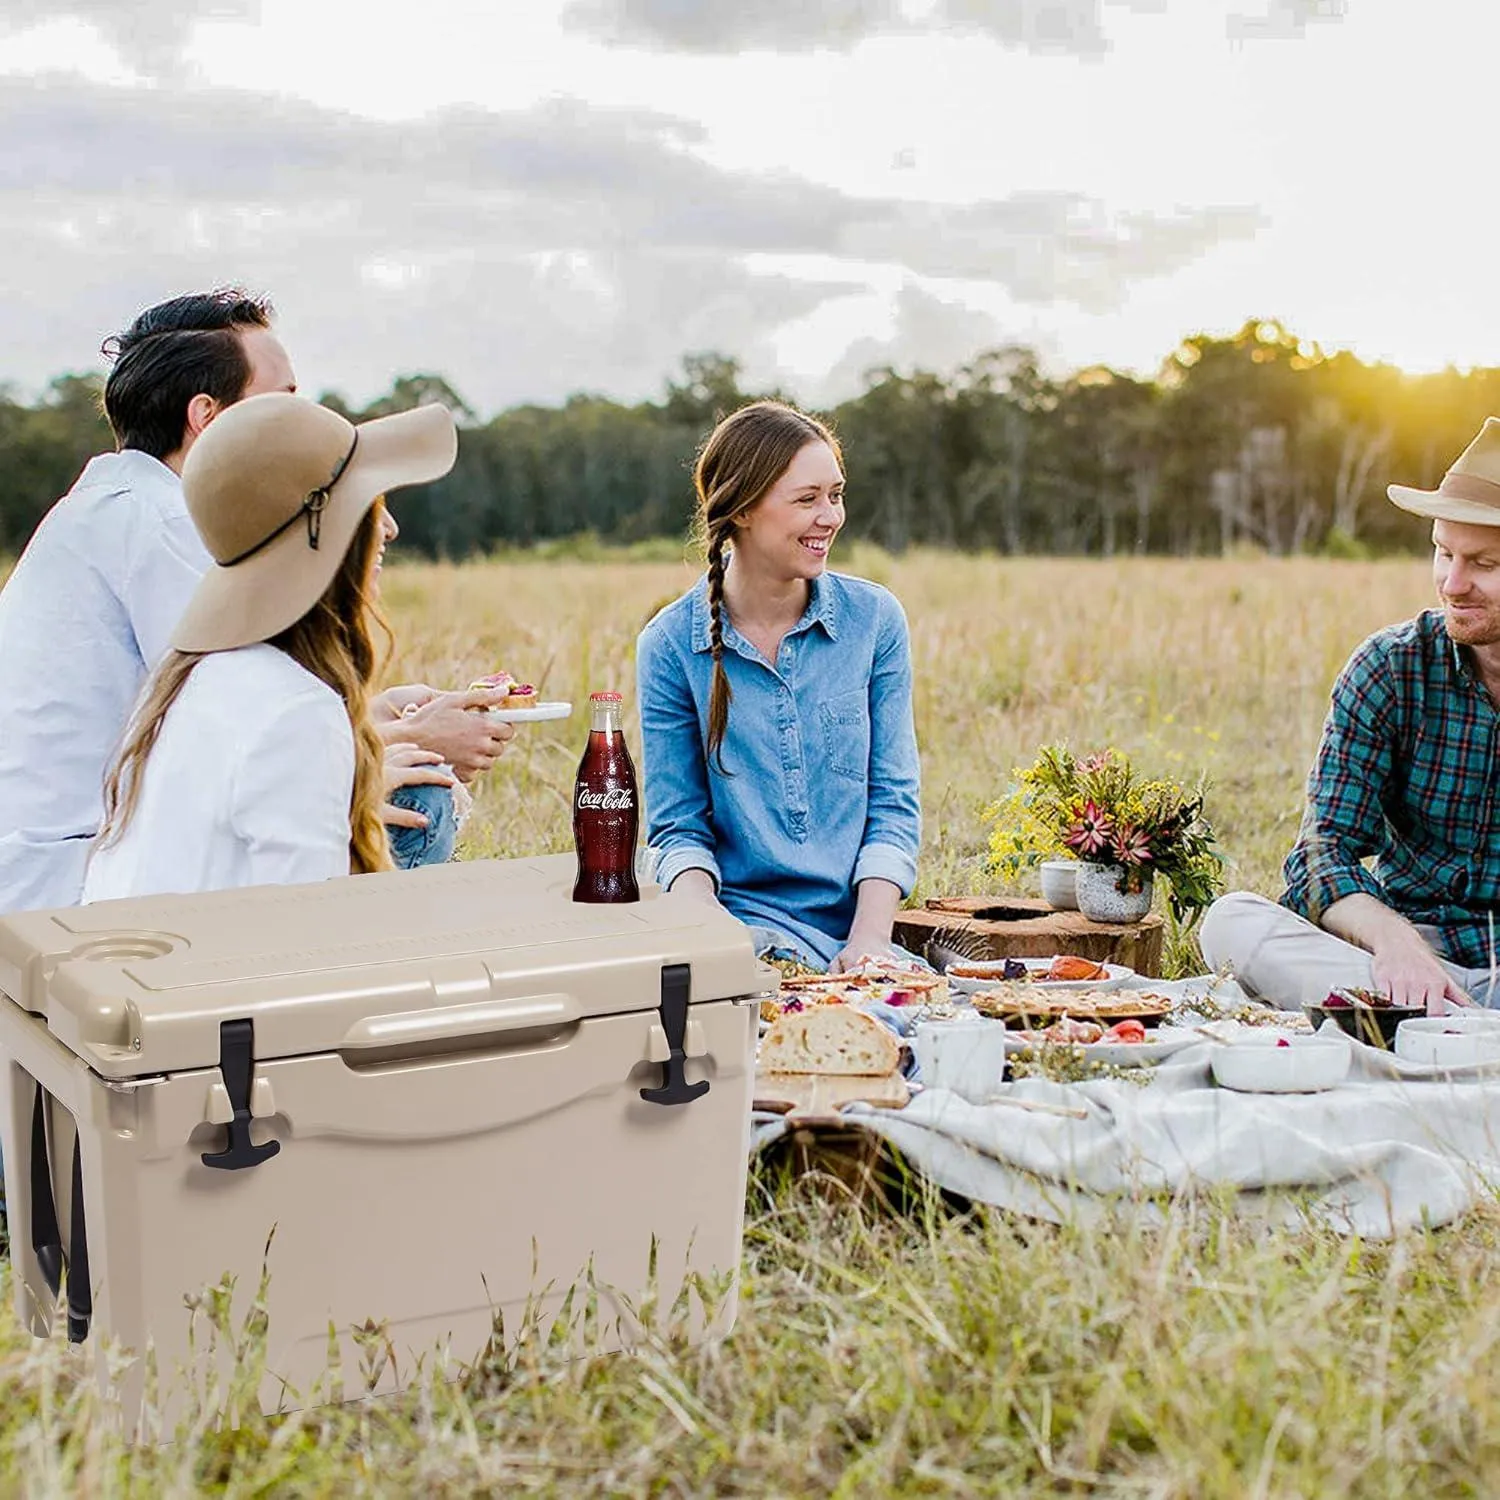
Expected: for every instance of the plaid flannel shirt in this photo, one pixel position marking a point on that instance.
(1406, 772)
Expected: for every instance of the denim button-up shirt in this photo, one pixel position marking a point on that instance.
(823, 783)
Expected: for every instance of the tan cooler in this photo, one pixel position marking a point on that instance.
(453, 1093)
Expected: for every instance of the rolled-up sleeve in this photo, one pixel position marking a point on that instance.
(893, 820)
(679, 827)
(1346, 792)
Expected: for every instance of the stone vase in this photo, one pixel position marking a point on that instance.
(1104, 893)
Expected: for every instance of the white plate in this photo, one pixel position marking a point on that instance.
(1305, 1065)
(1116, 976)
(534, 715)
(1161, 1041)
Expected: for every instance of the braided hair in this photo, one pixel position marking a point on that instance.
(740, 461)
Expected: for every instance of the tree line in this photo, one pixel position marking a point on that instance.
(1259, 438)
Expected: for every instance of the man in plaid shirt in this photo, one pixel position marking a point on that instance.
(1406, 774)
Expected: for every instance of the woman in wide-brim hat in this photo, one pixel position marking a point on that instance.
(250, 758)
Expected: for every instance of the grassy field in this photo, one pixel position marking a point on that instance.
(933, 1352)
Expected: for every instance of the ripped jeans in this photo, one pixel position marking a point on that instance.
(432, 845)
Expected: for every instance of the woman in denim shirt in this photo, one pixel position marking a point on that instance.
(781, 772)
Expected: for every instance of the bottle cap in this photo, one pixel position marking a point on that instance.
(605, 698)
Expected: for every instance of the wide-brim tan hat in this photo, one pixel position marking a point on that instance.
(277, 487)
(1470, 491)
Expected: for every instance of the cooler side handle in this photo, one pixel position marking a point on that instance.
(457, 1022)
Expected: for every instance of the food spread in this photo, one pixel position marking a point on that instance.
(883, 984)
(1016, 1004)
(1065, 968)
(1067, 1031)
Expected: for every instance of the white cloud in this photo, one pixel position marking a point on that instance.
(1281, 20)
(150, 35)
(1074, 28)
(769, 25)
(927, 333)
(523, 253)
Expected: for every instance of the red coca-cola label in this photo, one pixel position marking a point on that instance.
(613, 799)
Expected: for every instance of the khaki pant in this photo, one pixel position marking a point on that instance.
(1283, 960)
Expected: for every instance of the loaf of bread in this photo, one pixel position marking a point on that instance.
(836, 1039)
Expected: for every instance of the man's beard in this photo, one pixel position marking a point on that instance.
(1478, 629)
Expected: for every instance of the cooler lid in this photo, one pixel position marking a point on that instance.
(404, 958)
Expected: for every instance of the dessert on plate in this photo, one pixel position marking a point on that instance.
(519, 694)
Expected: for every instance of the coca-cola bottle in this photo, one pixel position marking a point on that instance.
(606, 810)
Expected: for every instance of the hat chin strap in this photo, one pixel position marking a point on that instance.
(312, 507)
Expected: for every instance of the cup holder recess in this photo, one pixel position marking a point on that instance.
(122, 947)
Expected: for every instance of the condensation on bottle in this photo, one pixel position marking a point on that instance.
(606, 808)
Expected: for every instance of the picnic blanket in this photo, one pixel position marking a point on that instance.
(1394, 1146)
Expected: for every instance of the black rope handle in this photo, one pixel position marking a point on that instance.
(80, 1293)
(46, 1236)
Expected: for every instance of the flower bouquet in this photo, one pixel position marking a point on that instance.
(1123, 828)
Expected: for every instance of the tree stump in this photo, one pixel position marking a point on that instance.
(987, 927)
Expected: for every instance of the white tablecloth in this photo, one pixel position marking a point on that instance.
(1392, 1147)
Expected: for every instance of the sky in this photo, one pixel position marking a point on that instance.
(537, 197)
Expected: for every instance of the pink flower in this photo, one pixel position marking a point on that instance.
(1092, 832)
(1131, 846)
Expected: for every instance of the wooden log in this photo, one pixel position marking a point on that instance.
(1020, 927)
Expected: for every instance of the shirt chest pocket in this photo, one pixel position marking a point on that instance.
(1451, 779)
(846, 734)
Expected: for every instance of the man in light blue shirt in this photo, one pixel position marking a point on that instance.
(91, 604)
(89, 609)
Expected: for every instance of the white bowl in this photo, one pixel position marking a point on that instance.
(965, 1056)
(1060, 883)
(1459, 1041)
(1280, 1065)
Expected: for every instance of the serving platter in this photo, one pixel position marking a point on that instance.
(1161, 1043)
(1021, 1005)
(973, 976)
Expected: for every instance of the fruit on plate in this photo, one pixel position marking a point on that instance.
(1065, 967)
(517, 694)
(1074, 1031)
(1346, 999)
(1067, 1032)
(831, 1039)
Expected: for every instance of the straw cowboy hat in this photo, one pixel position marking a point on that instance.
(1470, 491)
(277, 486)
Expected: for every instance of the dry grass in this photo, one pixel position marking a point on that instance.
(1223, 666)
(929, 1352)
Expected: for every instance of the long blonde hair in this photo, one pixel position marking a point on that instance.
(335, 641)
(740, 461)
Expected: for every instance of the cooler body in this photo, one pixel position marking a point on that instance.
(429, 1105)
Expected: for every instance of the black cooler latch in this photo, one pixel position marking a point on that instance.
(675, 1089)
(237, 1068)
